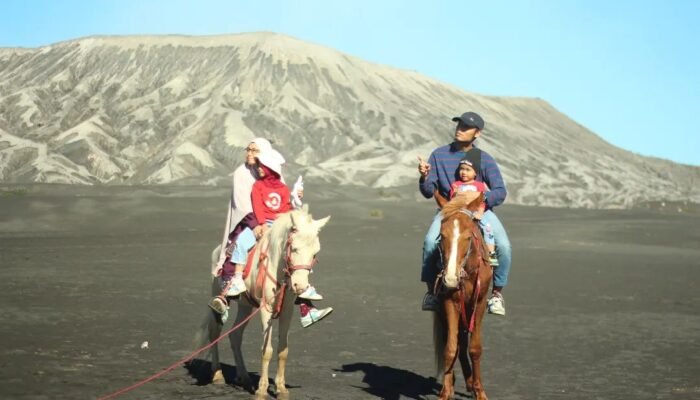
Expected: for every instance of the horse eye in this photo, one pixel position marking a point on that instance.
(295, 249)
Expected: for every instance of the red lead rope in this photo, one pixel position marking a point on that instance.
(179, 362)
(263, 259)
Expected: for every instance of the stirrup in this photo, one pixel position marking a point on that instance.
(219, 305)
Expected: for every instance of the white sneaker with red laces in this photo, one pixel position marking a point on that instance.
(314, 316)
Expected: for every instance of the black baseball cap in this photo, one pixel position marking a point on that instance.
(471, 119)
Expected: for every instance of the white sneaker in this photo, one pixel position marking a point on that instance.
(310, 294)
(235, 287)
(314, 316)
(496, 304)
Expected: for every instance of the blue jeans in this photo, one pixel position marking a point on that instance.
(486, 230)
(244, 242)
(430, 267)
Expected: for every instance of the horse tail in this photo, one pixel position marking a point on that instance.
(215, 254)
(439, 340)
(201, 368)
(209, 329)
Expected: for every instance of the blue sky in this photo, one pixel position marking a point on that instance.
(627, 70)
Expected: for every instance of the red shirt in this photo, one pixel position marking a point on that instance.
(268, 202)
(459, 187)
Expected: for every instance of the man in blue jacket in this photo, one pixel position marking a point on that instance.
(438, 174)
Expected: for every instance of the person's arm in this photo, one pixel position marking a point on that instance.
(258, 205)
(427, 185)
(240, 197)
(492, 177)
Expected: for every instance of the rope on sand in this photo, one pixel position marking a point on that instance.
(179, 362)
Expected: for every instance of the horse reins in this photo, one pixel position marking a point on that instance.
(289, 269)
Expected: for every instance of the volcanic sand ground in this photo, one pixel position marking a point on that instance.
(601, 304)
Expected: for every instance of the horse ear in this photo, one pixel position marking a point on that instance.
(441, 201)
(322, 222)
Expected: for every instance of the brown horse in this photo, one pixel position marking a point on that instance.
(462, 287)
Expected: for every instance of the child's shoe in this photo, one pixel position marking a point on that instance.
(493, 260)
(430, 302)
(314, 315)
(310, 294)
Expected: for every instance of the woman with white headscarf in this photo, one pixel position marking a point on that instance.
(244, 178)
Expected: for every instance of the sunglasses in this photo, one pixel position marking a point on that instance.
(252, 150)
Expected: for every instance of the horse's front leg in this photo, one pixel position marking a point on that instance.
(475, 349)
(464, 359)
(285, 319)
(266, 317)
(452, 318)
(236, 340)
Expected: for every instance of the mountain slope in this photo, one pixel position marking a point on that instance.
(169, 109)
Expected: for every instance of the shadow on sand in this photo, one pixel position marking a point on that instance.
(200, 371)
(393, 383)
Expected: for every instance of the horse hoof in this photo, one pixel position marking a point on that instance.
(218, 378)
(260, 395)
(282, 391)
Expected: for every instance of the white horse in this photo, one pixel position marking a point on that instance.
(289, 250)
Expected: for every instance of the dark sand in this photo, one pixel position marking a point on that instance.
(601, 304)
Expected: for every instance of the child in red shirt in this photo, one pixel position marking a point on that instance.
(467, 183)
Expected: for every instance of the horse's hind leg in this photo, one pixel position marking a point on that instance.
(214, 332)
(236, 340)
(282, 347)
(214, 326)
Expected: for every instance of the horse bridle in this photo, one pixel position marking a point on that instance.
(290, 268)
(463, 274)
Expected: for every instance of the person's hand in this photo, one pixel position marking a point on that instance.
(258, 231)
(298, 192)
(423, 167)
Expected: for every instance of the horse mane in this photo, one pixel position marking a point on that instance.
(458, 203)
(279, 231)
